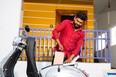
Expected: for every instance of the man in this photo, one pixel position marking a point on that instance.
(69, 36)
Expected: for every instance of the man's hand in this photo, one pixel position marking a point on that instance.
(60, 45)
(69, 59)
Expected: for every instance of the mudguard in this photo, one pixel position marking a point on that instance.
(9, 62)
(31, 63)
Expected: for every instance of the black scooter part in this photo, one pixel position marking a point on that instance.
(31, 63)
(8, 68)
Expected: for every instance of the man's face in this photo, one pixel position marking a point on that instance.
(77, 23)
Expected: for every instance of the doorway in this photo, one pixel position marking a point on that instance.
(63, 17)
(67, 14)
(64, 14)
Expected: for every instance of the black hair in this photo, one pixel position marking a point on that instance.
(81, 15)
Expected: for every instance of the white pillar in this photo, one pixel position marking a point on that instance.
(10, 21)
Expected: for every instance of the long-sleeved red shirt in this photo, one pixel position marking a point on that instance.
(70, 39)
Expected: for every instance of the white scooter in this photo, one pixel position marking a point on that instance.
(8, 63)
(63, 70)
(59, 70)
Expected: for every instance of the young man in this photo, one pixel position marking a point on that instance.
(69, 36)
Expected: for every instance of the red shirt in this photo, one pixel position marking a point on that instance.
(70, 39)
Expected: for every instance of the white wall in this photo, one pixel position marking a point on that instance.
(10, 17)
(106, 20)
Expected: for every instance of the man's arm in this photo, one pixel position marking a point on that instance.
(56, 31)
(69, 59)
(76, 50)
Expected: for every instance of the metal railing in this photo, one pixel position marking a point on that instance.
(95, 48)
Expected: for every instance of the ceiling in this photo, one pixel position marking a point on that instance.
(99, 5)
(61, 1)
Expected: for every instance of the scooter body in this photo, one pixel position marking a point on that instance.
(8, 63)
